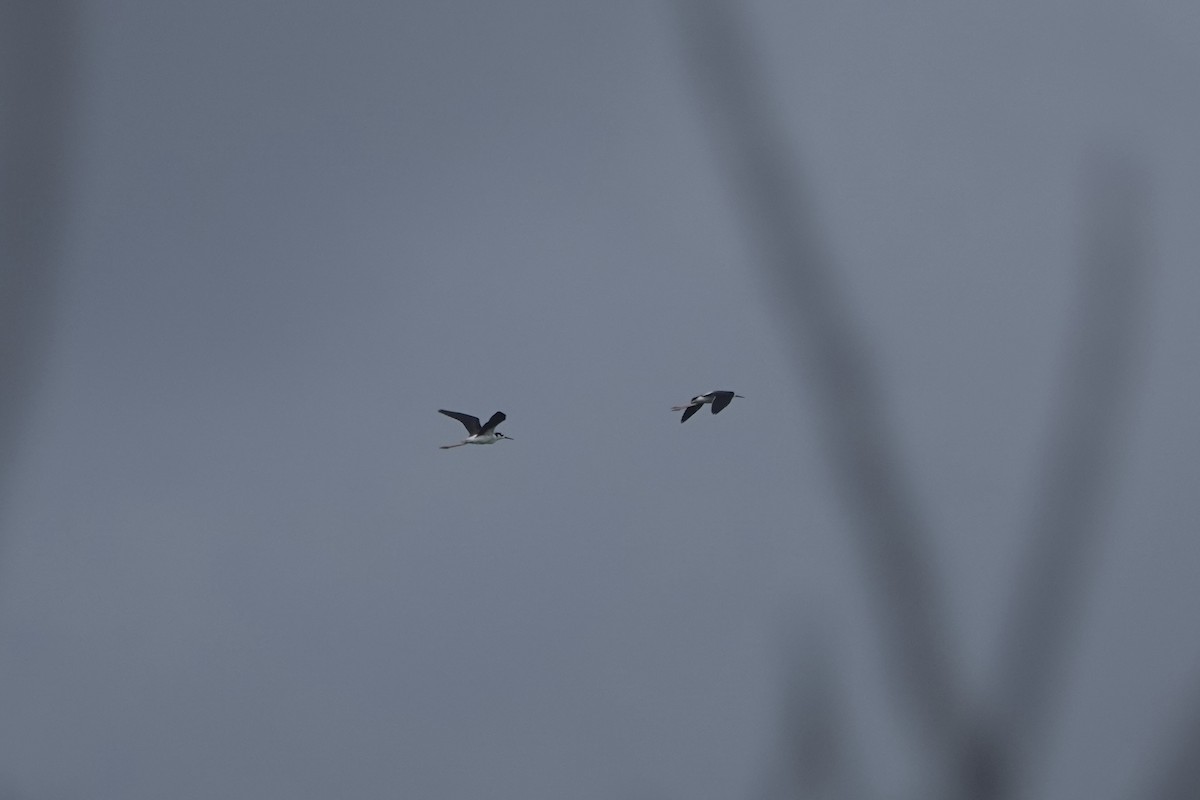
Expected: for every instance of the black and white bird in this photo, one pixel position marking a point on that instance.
(479, 434)
(719, 400)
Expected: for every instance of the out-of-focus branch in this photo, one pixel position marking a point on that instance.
(1081, 450)
(756, 156)
(1177, 776)
(812, 760)
(36, 54)
(982, 755)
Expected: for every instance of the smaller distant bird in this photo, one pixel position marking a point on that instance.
(719, 400)
(479, 434)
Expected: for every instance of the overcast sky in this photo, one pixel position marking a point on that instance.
(235, 563)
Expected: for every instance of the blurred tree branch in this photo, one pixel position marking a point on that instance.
(812, 760)
(1177, 776)
(36, 80)
(756, 154)
(1082, 444)
(980, 750)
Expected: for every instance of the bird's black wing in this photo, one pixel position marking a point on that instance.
(720, 400)
(496, 419)
(687, 412)
(471, 423)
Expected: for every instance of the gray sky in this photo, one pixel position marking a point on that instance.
(235, 563)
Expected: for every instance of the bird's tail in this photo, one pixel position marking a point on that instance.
(448, 446)
(680, 408)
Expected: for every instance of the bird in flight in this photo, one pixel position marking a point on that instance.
(719, 400)
(479, 434)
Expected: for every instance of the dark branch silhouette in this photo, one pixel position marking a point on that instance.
(811, 759)
(980, 751)
(1082, 446)
(1177, 775)
(756, 155)
(36, 72)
